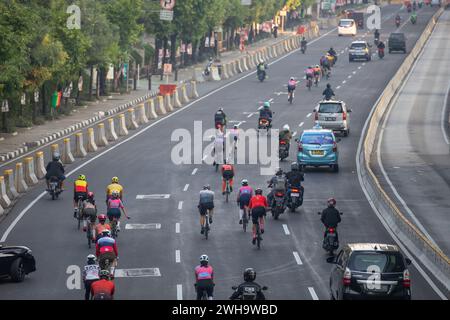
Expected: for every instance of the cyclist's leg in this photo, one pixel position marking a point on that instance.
(224, 185)
(231, 184)
(210, 291)
(255, 222)
(199, 292)
(261, 223)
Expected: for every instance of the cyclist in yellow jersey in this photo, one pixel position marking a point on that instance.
(114, 186)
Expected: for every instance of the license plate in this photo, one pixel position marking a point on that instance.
(330, 119)
(375, 288)
(317, 152)
(295, 195)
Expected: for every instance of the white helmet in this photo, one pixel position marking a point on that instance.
(203, 258)
(91, 258)
(286, 127)
(292, 79)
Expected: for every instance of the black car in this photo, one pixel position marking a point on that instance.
(16, 262)
(397, 42)
(370, 271)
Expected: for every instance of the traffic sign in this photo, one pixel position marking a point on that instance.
(166, 15)
(167, 4)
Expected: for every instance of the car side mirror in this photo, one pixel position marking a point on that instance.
(408, 261)
(264, 288)
(234, 287)
(331, 260)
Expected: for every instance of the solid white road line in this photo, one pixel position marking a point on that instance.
(186, 187)
(138, 226)
(177, 256)
(308, 115)
(301, 124)
(152, 196)
(180, 205)
(443, 120)
(177, 227)
(179, 292)
(297, 258)
(286, 230)
(313, 293)
(194, 171)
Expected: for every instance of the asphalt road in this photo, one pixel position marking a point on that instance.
(415, 147)
(144, 166)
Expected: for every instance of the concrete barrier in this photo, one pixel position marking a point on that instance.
(54, 149)
(111, 134)
(168, 103)
(198, 75)
(151, 109)
(91, 146)
(269, 52)
(249, 62)
(176, 99)
(123, 131)
(141, 115)
(224, 74)
(160, 108)
(10, 184)
(238, 66)
(244, 64)
(19, 180)
(215, 74)
(67, 156)
(194, 93)
(230, 69)
(30, 175)
(264, 54)
(286, 46)
(131, 120)
(5, 202)
(184, 95)
(80, 152)
(40, 165)
(101, 136)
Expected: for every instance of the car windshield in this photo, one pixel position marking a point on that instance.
(345, 23)
(358, 46)
(382, 261)
(317, 138)
(398, 36)
(330, 108)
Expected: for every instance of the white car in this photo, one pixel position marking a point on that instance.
(333, 115)
(347, 27)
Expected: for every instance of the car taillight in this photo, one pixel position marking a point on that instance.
(334, 147)
(347, 279)
(300, 147)
(344, 116)
(406, 279)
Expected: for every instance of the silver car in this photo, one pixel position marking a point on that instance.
(333, 115)
(360, 50)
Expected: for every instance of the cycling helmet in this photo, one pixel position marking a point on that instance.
(249, 274)
(317, 66)
(104, 274)
(292, 79)
(286, 127)
(102, 218)
(91, 259)
(82, 177)
(279, 172)
(258, 191)
(244, 182)
(220, 109)
(204, 259)
(115, 194)
(106, 233)
(206, 187)
(267, 104)
(295, 166)
(90, 195)
(331, 202)
(56, 156)
(115, 180)
(235, 126)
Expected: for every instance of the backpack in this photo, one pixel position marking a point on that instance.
(279, 184)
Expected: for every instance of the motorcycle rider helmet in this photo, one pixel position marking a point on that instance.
(91, 259)
(115, 180)
(206, 187)
(331, 202)
(235, 126)
(286, 127)
(204, 259)
(102, 218)
(244, 182)
(249, 275)
(106, 233)
(115, 194)
(258, 191)
(267, 104)
(295, 166)
(56, 156)
(82, 177)
(104, 274)
(279, 172)
(328, 85)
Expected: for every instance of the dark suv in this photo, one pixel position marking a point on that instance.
(397, 42)
(370, 271)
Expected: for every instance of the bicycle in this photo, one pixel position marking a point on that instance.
(227, 190)
(316, 81)
(245, 219)
(309, 83)
(291, 96)
(258, 236)
(79, 211)
(206, 225)
(114, 231)
(90, 233)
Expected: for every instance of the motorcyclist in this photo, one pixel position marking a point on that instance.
(303, 44)
(220, 118)
(204, 278)
(413, 17)
(104, 288)
(295, 178)
(328, 92)
(398, 19)
(248, 290)
(55, 169)
(286, 136)
(330, 216)
(266, 113)
(90, 275)
(376, 36)
(381, 47)
(278, 183)
(333, 53)
(414, 5)
(261, 68)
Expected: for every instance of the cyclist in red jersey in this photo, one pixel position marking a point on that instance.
(258, 206)
(104, 288)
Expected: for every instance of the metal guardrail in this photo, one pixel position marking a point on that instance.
(422, 243)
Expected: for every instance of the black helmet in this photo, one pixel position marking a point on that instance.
(56, 156)
(279, 172)
(258, 191)
(328, 85)
(295, 166)
(104, 274)
(249, 274)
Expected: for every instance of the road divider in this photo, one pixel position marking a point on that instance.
(176, 99)
(19, 181)
(80, 152)
(161, 109)
(10, 185)
(141, 115)
(101, 136)
(123, 131)
(111, 134)
(30, 175)
(198, 75)
(40, 165)
(194, 94)
(131, 120)
(168, 103)
(5, 202)
(91, 146)
(151, 109)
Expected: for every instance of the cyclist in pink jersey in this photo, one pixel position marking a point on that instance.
(204, 278)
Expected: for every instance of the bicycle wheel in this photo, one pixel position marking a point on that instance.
(258, 236)
(79, 213)
(244, 221)
(206, 228)
(89, 235)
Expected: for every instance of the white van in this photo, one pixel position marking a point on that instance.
(347, 27)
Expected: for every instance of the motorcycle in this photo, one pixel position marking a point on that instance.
(278, 204)
(397, 22)
(283, 150)
(330, 240)
(376, 41)
(380, 53)
(413, 19)
(261, 74)
(54, 188)
(303, 48)
(263, 124)
(295, 198)
(409, 8)
(249, 293)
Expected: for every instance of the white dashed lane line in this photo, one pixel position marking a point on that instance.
(177, 256)
(194, 171)
(345, 81)
(313, 294)
(301, 124)
(359, 67)
(180, 205)
(337, 88)
(179, 292)
(177, 227)
(354, 72)
(186, 187)
(309, 115)
(286, 230)
(297, 258)
(349, 77)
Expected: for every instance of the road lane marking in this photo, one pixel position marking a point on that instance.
(345, 81)
(443, 115)
(271, 100)
(364, 64)
(180, 205)
(308, 115)
(186, 187)
(152, 196)
(82, 165)
(177, 256)
(297, 258)
(139, 226)
(354, 72)
(177, 227)
(286, 230)
(179, 292)
(338, 87)
(359, 67)
(313, 294)
(204, 157)
(301, 124)
(295, 133)
(194, 171)
(250, 115)
(349, 77)
(137, 273)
